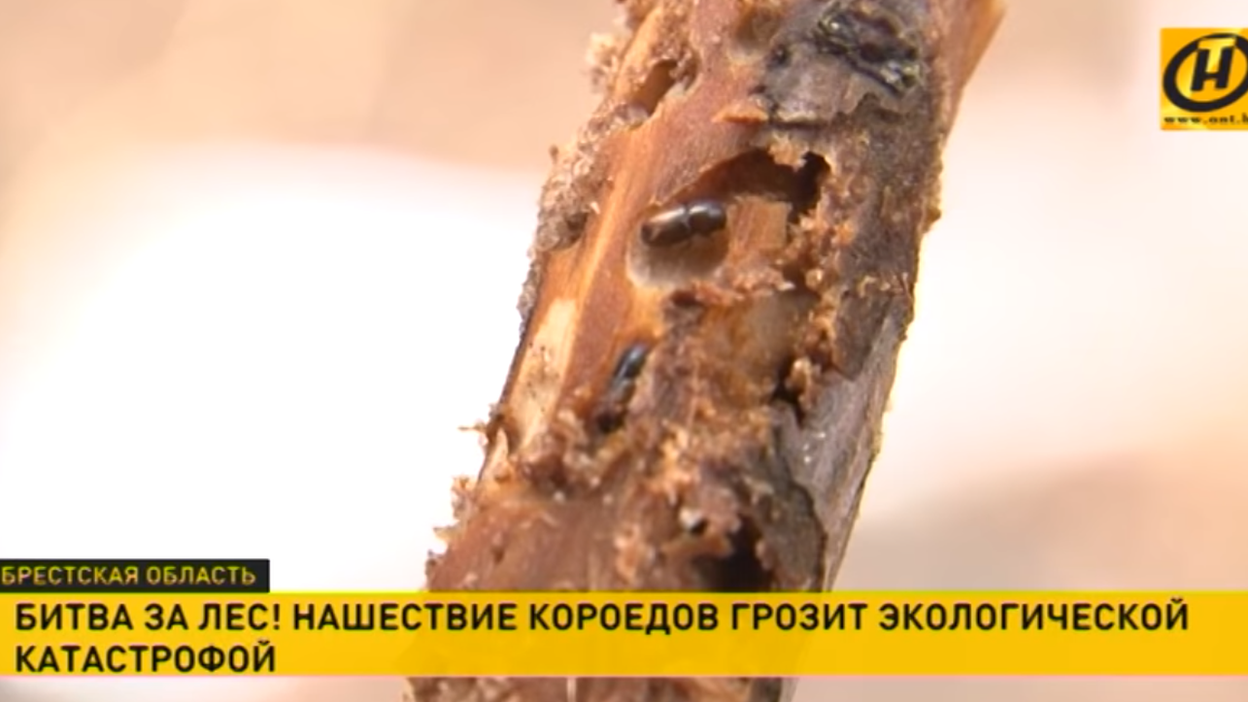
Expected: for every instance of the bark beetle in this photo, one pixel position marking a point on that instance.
(697, 407)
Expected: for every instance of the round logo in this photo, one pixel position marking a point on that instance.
(1170, 81)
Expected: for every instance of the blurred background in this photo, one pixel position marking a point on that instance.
(258, 262)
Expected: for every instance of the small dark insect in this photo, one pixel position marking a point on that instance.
(630, 364)
(683, 222)
(623, 382)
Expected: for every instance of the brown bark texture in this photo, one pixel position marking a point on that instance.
(722, 276)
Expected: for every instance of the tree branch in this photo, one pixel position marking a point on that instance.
(722, 277)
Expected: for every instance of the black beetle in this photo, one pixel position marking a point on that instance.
(620, 390)
(683, 222)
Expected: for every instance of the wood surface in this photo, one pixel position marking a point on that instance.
(722, 276)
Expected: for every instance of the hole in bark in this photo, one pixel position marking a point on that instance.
(739, 571)
(757, 173)
(787, 395)
(656, 85)
(695, 250)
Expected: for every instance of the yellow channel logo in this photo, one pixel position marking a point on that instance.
(1204, 79)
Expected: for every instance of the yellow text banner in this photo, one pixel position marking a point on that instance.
(626, 634)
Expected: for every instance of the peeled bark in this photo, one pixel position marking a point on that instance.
(722, 276)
